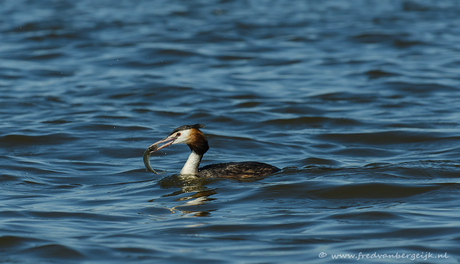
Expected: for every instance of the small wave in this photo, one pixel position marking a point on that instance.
(17, 241)
(372, 215)
(16, 140)
(390, 138)
(53, 251)
(373, 190)
(375, 74)
(313, 121)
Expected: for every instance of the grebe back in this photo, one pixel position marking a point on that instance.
(198, 144)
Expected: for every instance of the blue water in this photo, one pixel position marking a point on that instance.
(357, 101)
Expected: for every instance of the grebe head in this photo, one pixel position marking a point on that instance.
(188, 134)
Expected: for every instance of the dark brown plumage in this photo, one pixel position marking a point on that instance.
(242, 170)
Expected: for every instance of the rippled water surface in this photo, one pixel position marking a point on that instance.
(357, 101)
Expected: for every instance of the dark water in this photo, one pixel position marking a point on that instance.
(358, 101)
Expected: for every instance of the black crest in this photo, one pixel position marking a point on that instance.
(197, 126)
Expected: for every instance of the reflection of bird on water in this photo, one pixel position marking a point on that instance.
(198, 144)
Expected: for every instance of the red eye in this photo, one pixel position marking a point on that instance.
(178, 134)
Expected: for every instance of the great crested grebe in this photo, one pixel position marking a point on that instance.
(198, 144)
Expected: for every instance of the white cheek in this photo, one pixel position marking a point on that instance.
(183, 137)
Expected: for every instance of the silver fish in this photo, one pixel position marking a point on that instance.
(147, 153)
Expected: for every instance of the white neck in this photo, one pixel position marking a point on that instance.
(191, 166)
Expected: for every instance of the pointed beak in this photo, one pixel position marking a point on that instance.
(168, 142)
